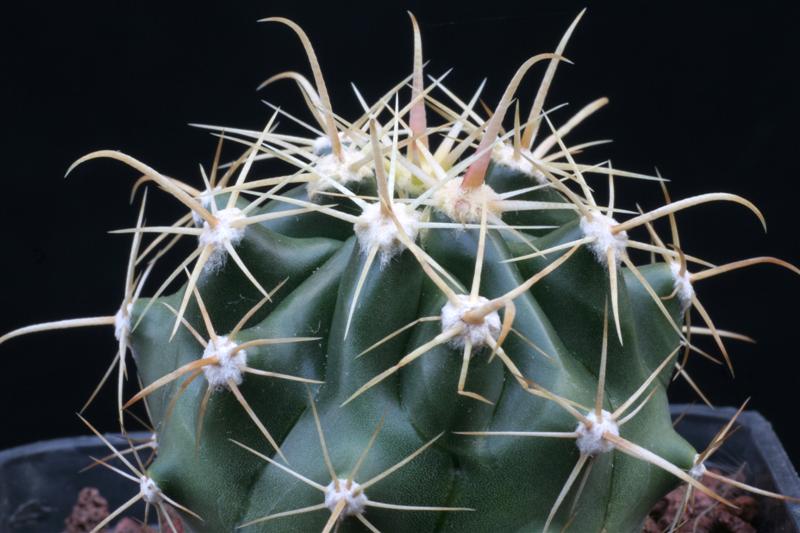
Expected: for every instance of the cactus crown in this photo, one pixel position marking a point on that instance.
(417, 327)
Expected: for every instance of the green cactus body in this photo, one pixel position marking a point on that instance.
(510, 482)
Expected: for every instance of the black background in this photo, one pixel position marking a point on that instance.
(706, 93)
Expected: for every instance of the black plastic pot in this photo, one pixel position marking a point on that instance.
(753, 446)
(39, 482)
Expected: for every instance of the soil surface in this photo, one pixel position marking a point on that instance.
(704, 514)
(91, 509)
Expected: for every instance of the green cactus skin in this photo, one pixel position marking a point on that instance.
(587, 332)
(510, 482)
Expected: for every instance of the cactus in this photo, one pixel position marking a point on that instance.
(392, 337)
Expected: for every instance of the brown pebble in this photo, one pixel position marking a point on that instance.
(90, 509)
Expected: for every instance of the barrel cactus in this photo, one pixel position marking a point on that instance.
(414, 327)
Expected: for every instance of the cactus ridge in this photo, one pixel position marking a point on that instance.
(392, 337)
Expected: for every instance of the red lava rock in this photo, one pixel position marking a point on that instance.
(748, 507)
(90, 509)
(703, 513)
(731, 522)
(128, 525)
(176, 519)
(650, 526)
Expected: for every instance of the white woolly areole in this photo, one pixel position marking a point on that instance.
(599, 227)
(351, 493)
(464, 205)
(223, 233)
(230, 365)
(373, 228)
(698, 470)
(206, 197)
(122, 321)
(149, 490)
(682, 284)
(503, 154)
(477, 334)
(330, 167)
(590, 440)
